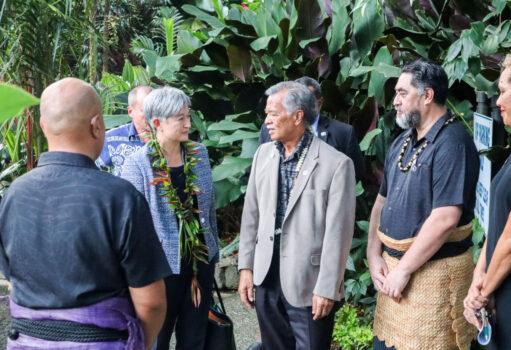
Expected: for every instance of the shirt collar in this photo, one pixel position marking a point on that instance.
(304, 141)
(314, 125)
(66, 158)
(432, 134)
(132, 132)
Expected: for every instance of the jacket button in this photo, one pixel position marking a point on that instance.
(271, 238)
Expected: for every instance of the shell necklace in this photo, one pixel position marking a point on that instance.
(413, 160)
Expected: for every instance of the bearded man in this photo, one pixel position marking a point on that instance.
(420, 233)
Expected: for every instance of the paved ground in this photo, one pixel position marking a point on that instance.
(245, 322)
(4, 316)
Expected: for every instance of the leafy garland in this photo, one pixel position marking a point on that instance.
(190, 245)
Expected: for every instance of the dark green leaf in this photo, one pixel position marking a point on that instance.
(490, 45)
(150, 57)
(368, 25)
(359, 189)
(199, 124)
(230, 166)
(361, 70)
(226, 192)
(203, 16)
(249, 147)
(355, 243)
(454, 50)
(480, 83)
(340, 20)
(377, 81)
(127, 72)
(304, 43)
(228, 125)
(239, 62)
(262, 43)
(477, 33)
(167, 66)
(387, 70)
(499, 5)
(363, 225)
(455, 70)
(503, 30)
(350, 266)
(239, 135)
(200, 69)
(469, 49)
(187, 42)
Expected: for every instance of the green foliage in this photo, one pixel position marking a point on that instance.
(13, 101)
(350, 333)
(478, 238)
(13, 134)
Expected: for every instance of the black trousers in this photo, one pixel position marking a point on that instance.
(285, 327)
(189, 322)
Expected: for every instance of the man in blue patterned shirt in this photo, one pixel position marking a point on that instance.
(124, 140)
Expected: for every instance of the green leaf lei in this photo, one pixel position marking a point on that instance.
(190, 245)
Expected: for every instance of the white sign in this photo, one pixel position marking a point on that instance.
(483, 132)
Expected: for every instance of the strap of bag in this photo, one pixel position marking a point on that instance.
(219, 296)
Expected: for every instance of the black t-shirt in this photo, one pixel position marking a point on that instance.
(178, 179)
(500, 207)
(444, 174)
(73, 236)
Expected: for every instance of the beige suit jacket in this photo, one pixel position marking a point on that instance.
(318, 225)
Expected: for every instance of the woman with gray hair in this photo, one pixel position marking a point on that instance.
(174, 175)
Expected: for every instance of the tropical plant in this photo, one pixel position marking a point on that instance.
(13, 101)
(350, 333)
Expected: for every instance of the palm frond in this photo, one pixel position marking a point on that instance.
(166, 26)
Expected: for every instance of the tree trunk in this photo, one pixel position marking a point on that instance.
(106, 36)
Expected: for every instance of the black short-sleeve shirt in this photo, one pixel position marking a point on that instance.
(445, 174)
(500, 208)
(73, 236)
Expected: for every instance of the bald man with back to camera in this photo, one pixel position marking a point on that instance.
(78, 245)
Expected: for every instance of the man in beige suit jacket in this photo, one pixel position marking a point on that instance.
(297, 226)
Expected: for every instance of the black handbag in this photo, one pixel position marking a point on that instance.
(220, 332)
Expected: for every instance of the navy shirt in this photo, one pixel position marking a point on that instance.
(445, 174)
(120, 143)
(72, 235)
